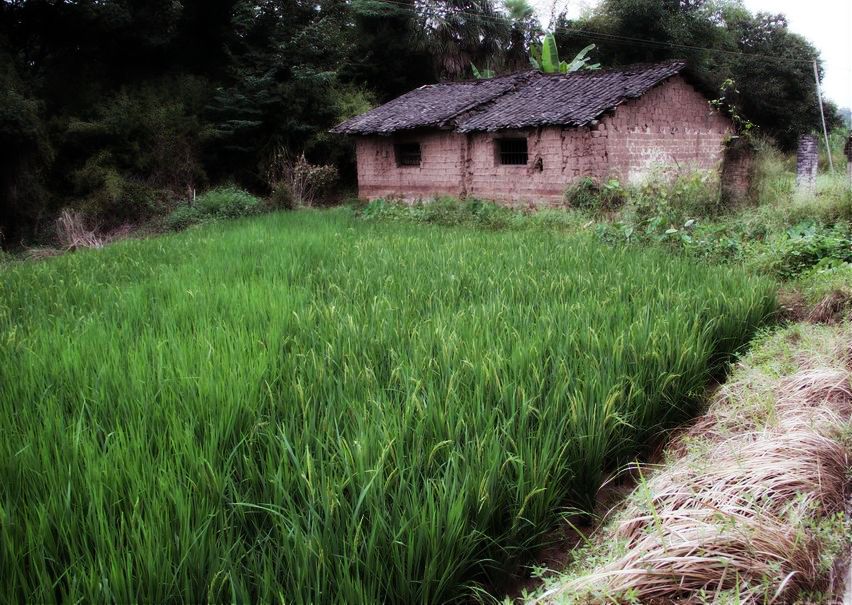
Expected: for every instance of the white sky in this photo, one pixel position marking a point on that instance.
(826, 23)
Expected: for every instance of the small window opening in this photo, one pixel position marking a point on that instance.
(513, 152)
(407, 154)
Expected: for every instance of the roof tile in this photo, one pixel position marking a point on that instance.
(521, 100)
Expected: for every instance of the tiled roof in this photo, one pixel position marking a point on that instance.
(521, 100)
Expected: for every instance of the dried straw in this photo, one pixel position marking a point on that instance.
(731, 518)
(72, 233)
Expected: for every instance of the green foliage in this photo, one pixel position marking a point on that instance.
(282, 197)
(219, 203)
(304, 181)
(778, 96)
(456, 33)
(101, 99)
(307, 408)
(774, 175)
(184, 216)
(481, 75)
(589, 194)
(26, 155)
(449, 211)
(823, 280)
(837, 140)
(550, 55)
(110, 197)
(546, 58)
(805, 246)
(228, 202)
(727, 105)
(784, 236)
(389, 54)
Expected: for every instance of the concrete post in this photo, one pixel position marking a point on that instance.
(807, 162)
(848, 151)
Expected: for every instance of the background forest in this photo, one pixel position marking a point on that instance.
(120, 109)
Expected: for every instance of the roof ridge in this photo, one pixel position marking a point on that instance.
(632, 81)
(522, 77)
(584, 72)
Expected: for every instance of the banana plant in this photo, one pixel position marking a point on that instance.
(546, 58)
(481, 74)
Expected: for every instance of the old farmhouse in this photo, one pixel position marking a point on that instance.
(524, 137)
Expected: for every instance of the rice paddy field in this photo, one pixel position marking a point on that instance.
(309, 408)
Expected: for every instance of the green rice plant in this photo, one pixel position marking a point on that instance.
(307, 408)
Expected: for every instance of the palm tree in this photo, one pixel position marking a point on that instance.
(458, 33)
(525, 30)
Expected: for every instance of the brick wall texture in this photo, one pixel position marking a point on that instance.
(670, 128)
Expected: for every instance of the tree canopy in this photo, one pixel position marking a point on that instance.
(771, 67)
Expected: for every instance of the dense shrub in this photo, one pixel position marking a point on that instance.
(26, 157)
(823, 280)
(449, 211)
(228, 202)
(774, 177)
(688, 196)
(110, 198)
(783, 238)
(183, 216)
(282, 197)
(805, 246)
(589, 194)
(219, 203)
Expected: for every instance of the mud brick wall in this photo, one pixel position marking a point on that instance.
(670, 129)
(439, 173)
(556, 157)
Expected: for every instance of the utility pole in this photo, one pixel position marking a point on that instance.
(822, 115)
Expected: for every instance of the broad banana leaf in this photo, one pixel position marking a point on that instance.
(535, 56)
(580, 61)
(481, 75)
(545, 58)
(549, 55)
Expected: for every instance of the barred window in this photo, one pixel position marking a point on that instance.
(407, 154)
(512, 151)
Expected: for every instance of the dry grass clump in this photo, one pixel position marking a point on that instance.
(71, 232)
(832, 308)
(735, 515)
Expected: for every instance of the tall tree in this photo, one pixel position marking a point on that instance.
(387, 54)
(770, 65)
(525, 30)
(457, 33)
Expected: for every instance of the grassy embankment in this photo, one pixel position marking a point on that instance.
(748, 505)
(313, 409)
